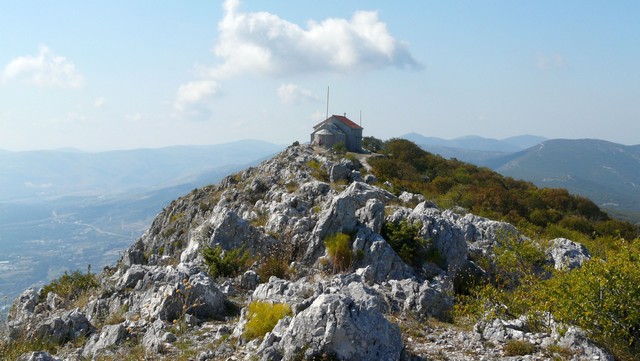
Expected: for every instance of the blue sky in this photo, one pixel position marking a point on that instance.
(100, 75)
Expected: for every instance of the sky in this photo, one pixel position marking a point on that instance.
(101, 75)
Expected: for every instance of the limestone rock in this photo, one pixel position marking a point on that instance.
(38, 356)
(62, 328)
(380, 261)
(501, 330)
(283, 291)
(340, 170)
(422, 300)
(110, 336)
(576, 339)
(566, 254)
(156, 337)
(23, 306)
(411, 198)
(341, 214)
(249, 280)
(336, 325)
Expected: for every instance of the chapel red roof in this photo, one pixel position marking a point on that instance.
(347, 122)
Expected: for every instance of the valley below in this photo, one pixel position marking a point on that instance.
(62, 211)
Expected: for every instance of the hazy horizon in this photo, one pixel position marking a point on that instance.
(75, 149)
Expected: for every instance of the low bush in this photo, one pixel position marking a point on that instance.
(225, 263)
(273, 266)
(13, 350)
(339, 248)
(519, 348)
(70, 286)
(603, 298)
(263, 317)
(318, 171)
(404, 238)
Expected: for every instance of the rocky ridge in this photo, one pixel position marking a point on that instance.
(159, 301)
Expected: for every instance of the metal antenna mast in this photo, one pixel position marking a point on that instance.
(327, 117)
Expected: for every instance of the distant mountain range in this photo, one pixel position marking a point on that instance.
(474, 149)
(65, 209)
(56, 173)
(605, 172)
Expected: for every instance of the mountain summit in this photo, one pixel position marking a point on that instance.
(307, 256)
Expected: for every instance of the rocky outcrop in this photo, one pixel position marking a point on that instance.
(572, 339)
(38, 356)
(110, 336)
(284, 209)
(337, 326)
(566, 254)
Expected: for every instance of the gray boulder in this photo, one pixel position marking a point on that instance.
(422, 300)
(204, 299)
(62, 328)
(156, 337)
(249, 280)
(340, 171)
(282, 291)
(380, 261)
(335, 325)
(576, 339)
(174, 294)
(23, 306)
(110, 336)
(372, 215)
(411, 198)
(341, 214)
(566, 254)
(500, 330)
(131, 277)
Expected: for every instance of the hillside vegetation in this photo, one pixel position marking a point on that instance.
(601, 297)
(605, 172)
(539, 212)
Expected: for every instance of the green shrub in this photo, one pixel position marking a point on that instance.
(515, 259)
(318, 171)
(340, 148)
(519, 348)
(263, 317)
(486, 193)
(70, 286)
(225, 263)
(404, 238)
(339, 248)
(603, 298)
(372, 144)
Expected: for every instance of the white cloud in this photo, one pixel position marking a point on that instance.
(45, 70)
(99, 102)
(264, 44)
(294, 94)
(547, 62)
(195, 92)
